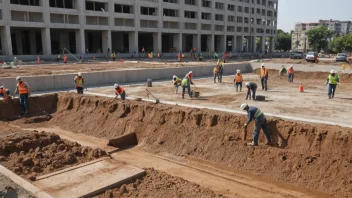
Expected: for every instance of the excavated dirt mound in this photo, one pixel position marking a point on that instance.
(318, 157)
(31, 154)
(159, 184)
(344, 78)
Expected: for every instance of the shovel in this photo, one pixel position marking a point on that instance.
(156, 100)
(244, 134)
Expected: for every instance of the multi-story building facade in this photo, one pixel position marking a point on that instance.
(30, 27)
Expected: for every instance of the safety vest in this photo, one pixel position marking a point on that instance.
(79, 81)
(264, 72)
(178, 81)
(183, 55)
(216, 70)
(185, 82)
(257, 114)
(333, 79)
(290, 70)
(22, 87)
(3, 91)
(239, 78)
(120, 91)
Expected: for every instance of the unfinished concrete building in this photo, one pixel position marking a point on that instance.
(31, 27)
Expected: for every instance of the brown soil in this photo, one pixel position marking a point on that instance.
(344, 78)
(74, 68)
(159, 184)
(317, 157)
(30, 154)
(6, 184)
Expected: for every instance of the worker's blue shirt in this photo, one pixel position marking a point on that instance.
(255, 113)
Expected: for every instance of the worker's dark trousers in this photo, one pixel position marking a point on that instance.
(249, 93)
(238, 84)
(220, 77)
(216, 76)
(189, 91)
(123, 95)
(79, 90)
(23, 102)
(261, 124)
(264, 81)
(290, 78)
(331, 90)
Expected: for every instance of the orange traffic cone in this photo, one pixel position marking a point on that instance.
(301, 89)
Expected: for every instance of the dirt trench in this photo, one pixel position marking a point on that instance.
(317, 157)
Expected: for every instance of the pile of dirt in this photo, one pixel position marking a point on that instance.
(159, 184)
(31, 154)
(317, 157)
(344, 78)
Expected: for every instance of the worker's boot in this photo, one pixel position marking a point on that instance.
(268, 143)
(252, 144)
(26, 112)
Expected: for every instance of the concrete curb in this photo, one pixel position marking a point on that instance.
(23, 183)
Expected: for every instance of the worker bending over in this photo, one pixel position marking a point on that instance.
(5, 93)
(264, 75)
(260, 123)
(186, 83)
(238, 80)
(251, 87)
(79, 82)
(24, 91)
(282, 71)
(177, 82)
(290, 74)
(332, 80)
(120, 91)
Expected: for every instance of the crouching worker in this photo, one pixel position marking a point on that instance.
(177, 82)
(260, 123)
(251, 87)
(120, 91)
(5, 93)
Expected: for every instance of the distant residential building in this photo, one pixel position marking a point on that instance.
(299, 36)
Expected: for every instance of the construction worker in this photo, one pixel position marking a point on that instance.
(216, 73)
(58, 57)
(230, 55)
(24, 91)
(290, 74)
(183, 55)
(251, 87)
(260, 123)
(179, 57)
(5, 93)
(119, 90)
(333, 80)
(224, 57)
(79, 82)
(221, 70)
(201, 57)
(159, 56)
(238, 80)
(282, 71)
(177, 82)
(264, 75)
(216, 56)
(114, 56)
(65, 58)
(186, 83)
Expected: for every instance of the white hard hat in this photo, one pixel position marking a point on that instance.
(18, 77)
(190, 72)
(116, 85)
(238, 71)
(247, 84)
(243, 106)
(263, 64)
(174, 76)
(1, 87)
(333, 71)
(79, 74)
(291, 65)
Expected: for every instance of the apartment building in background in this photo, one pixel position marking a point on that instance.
(31, 27)
(299, 36)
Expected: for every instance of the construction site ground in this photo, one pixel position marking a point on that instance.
(282, 98)
(184, 151)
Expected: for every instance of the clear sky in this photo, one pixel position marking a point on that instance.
(294, 11)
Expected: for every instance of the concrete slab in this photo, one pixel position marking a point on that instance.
(88, 180)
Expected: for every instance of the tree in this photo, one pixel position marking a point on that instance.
(282, 40)
(319, 37)
(342, 43)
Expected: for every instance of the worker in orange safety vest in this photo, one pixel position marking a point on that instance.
(264, 75)
(120, 91)
(238, 80)
(24, 91)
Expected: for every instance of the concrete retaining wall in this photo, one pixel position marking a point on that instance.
(65, 81)
(298, 67)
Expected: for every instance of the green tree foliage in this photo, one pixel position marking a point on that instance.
(282, 40)
(342, 43)
(319, 37)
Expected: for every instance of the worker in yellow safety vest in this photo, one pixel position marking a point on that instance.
(79, 82)
(177, 82)
(332, 80)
